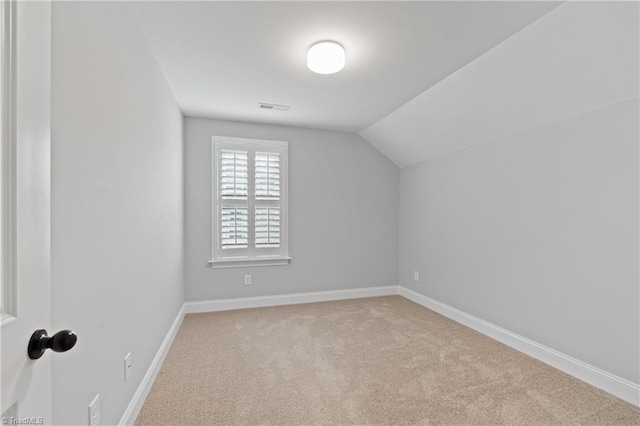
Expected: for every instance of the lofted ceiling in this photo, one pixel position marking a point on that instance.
(222, 58)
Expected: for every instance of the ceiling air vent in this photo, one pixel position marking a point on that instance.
(262, 105)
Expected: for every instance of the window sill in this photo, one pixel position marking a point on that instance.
(243, 263)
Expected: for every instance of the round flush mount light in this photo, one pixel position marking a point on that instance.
(326, 57)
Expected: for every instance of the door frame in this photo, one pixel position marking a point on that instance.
(8, 163)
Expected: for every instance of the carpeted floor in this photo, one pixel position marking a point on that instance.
(382, 360)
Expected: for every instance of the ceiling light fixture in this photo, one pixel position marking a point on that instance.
(326, 57)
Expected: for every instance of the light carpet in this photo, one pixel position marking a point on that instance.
(383, 360)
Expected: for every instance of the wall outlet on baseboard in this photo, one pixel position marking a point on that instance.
(127, 366)
(416, 276)
(247, 279)
(94, 411)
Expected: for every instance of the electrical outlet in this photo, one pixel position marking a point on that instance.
(416, 276)
(127, 366)
(94, 411)
(247, 279)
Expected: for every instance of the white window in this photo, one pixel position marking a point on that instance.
(250, 211)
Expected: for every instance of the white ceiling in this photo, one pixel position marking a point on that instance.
(579, 57)
(222, 58)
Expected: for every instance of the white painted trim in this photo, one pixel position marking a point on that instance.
(617, 386)
(6, 319)
(8, 160)
(249, 262)
(287, 299)
(131, 413)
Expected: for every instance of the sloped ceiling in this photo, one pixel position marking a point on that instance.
(579, 57)
(222, 58)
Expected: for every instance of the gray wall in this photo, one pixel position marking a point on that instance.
(536, 232)
(343, 209)
(117, 250)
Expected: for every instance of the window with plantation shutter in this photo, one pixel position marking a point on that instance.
(250, 209)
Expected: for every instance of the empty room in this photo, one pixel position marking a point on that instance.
(320, 213)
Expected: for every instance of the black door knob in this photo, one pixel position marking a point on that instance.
(62, 341)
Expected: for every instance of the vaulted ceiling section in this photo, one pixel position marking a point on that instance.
(422, 78)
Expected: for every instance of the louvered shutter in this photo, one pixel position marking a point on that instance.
(234, 174)
(267, 199)
(267, 174)
(234, 194)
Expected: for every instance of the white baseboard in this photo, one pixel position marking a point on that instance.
(287, 299)
(617, 386)
(131, 413)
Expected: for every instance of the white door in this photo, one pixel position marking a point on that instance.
(26, 383)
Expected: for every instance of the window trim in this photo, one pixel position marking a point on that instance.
(250, 258)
